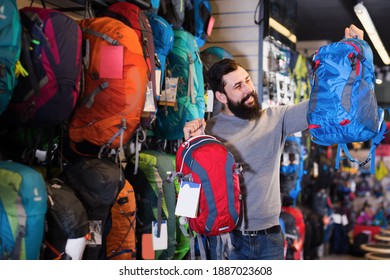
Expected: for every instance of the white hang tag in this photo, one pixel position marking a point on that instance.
(188, 199)
(160, 242)
(149, 102)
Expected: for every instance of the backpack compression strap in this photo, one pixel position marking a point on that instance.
(22, 218)
(371, 155)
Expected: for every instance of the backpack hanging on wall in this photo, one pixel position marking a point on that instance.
(97, 183)
(198, 20)
(156, 198)
(23, 206)
(163, 42)
(10, 46)
(66, 221)
(184, 63)
(342, 105)
(121, 237)
(51, 54)
(115, 84)
(136, 18)
(173, 11)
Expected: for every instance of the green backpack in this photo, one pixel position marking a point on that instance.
(184, 63)
(156, 199)
(10, 46)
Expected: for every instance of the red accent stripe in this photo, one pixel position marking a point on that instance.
(344, 122)
(311, 126)
(358, 61)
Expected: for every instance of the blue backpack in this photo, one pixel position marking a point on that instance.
(197, 20)
(23, 206)
(292, 167)
(185, 64)
(342, 105)
(162, 39)
(10, 47)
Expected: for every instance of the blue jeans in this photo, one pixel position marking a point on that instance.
(260, 247)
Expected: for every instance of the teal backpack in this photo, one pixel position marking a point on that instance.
(342, 105)
(23, 206)
(184, 63)
(10, 47)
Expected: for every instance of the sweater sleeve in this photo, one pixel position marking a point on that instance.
(295, 118)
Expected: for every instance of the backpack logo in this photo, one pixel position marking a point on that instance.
(2, 14)
(37, 197)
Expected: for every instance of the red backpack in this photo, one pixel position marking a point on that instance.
(51, 54)
(205, 160)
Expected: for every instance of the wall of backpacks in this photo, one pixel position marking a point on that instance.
(92, 109)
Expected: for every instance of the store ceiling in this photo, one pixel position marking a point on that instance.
(326, 20)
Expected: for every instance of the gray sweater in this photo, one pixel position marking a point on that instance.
(257, 146)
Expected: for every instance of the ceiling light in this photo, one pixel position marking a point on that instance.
(365, 19)
(282, 30)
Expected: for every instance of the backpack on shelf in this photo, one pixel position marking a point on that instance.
(51, 54)
(110, 108)
(342, 105)
(23, 206)
(185, 66)
(10, 46)
(136, 18)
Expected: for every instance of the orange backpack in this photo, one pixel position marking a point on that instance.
(121, 240)
(115, 80)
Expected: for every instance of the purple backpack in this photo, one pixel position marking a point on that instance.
(51, 54)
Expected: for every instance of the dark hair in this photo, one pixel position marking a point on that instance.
(217, 71)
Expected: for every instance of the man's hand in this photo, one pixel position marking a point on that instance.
(194, 128)
(353, 32)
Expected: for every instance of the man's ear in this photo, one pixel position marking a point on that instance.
(221, 97)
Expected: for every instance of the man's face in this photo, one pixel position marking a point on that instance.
(242, 100)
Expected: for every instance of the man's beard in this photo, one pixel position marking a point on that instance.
(243, 111)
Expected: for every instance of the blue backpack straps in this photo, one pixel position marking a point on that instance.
(375, 142)
(10, 47)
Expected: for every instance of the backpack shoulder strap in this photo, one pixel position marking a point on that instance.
(375, 142)
(22, 218)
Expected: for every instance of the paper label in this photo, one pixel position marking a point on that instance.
(188, 199)
(160, 242)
